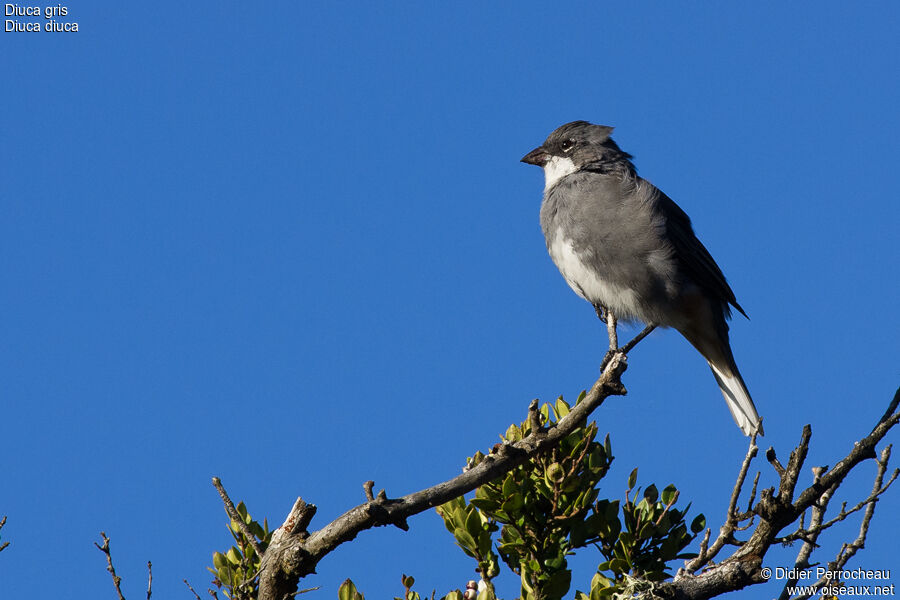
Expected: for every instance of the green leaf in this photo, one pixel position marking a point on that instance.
(466, 540)
(473, 524)
(619, 566)
(558, 584)
(555, 563)
(698, 524)
(347, 591)
(668, 494)
(612, 511)
(632, 479)
(513, 504)
(224, 574)
(485, 504)
(509, 485)
(545, 412)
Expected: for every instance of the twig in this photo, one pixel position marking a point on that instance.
(4, 544)
(778, 510)
(303, 591)
(891, 408)
(773, 460)
(636, 339)
(236, 516)
(196, 595)
(731, 516)
(809, 544)
(112, 571)
(149, 579)
(803, 533)
(848, 550)
(534, 416)
(290, 557)
(614, 339)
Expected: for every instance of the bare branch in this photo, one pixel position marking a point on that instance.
(291, 556)
(892, 407)
(777, 511)
(636, 339)
(803, 532)
(731, 516)
(610, 321)
(773, 460)
(862, 450)
(848, 550)
(112, 571)
(196, 595)
(4, 544)
(236, 516)
(149, 579)
(802, 560)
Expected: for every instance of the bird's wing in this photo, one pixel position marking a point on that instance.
(693, 254)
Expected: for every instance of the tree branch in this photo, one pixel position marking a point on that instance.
(292, 554)
(112, 570)
(848, 550)
(4, 544)
(777, 511)
(236, 516)
(726, 533)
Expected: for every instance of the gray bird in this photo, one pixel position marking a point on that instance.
(626, 247)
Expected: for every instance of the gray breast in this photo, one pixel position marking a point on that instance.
(608, 241)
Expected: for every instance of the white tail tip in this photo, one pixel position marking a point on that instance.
(739, 402)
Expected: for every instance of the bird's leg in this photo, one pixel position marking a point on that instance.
(600, 312)
(611, 330)
(614, 338)
(610, 321)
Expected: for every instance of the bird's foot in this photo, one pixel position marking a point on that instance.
(627, 347)
(601, 312)
(607, 358)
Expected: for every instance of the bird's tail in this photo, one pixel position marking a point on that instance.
(738, 399)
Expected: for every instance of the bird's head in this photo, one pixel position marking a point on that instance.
(577, 146)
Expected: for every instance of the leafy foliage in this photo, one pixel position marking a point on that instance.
(531, 520)
(548, 507)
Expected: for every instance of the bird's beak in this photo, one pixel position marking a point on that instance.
(538, 157)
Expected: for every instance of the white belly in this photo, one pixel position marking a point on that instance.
(587, 284)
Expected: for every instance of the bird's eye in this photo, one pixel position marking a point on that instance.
(567, 145)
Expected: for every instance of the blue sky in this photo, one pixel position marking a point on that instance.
(292, 246)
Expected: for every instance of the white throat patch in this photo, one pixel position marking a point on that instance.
(557, 168)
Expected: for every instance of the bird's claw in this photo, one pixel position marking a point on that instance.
(608, 357)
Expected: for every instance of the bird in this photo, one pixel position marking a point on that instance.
(631, 251)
